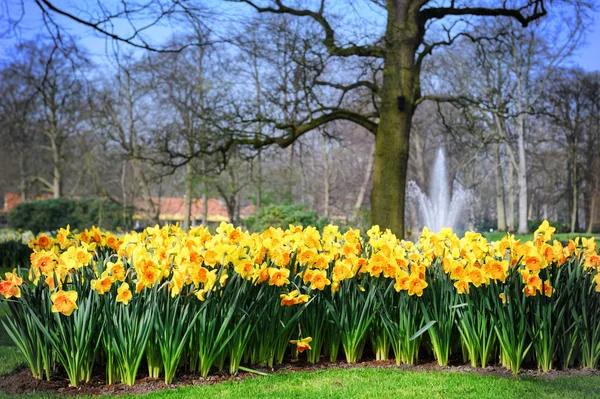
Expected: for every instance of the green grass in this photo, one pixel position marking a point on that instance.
(563, 237)
(387, 383)
(10, 359)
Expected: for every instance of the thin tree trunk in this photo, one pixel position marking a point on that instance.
(189, 189)
(326, 188)
(259, 183)
(205, 204)
(522, 177)
(57, 173)
(153, 208)
(23, 175)
(231, 204)
(501, 214)
(574, 189)
(289, 194)
(360, 198)
(511, 198)
(257, 86)
(124, 193)
(238, 208)
(592, 215)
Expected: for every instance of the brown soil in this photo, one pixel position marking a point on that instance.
(22, 382)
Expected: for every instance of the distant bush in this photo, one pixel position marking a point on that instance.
(486, 224)
(284, 214)
(561, 227)
(49, 215)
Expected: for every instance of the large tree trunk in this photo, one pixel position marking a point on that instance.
(501, 226)
(397, 107)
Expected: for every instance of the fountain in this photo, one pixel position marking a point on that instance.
(438, 209)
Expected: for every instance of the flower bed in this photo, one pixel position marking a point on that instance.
(198, 302)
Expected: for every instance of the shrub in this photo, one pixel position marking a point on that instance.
(282, 215)
(49, 215)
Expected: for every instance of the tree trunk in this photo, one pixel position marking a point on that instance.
(397, 107)
(153, 208)
(522, 177)
(592, 215)
(259, 183)
(124, 194)
(511, 197)
(231, 204)
(326, 185)
(360, 198)
(188, 196)
(574, 189)
(501, 226)
(289, 192)
(23, 175)
(57, 173)
(205, 204)
(574, 227)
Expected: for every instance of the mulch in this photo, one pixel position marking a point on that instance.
(22, 382)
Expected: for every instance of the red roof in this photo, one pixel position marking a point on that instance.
(11, 200)
(173, 208)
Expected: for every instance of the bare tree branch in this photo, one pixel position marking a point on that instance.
(329, 40)
(519, 14)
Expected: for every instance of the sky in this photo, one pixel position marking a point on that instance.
(587, 55)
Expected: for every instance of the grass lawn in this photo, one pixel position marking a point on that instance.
(387, 383)
(563, 237)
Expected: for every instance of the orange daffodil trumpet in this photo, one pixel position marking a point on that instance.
(293, 298)
(64, 302)
(124, 295)
(10, 286)
(302, 344)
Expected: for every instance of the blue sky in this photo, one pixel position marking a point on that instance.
(587, 56)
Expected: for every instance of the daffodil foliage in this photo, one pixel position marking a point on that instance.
(197, 301)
